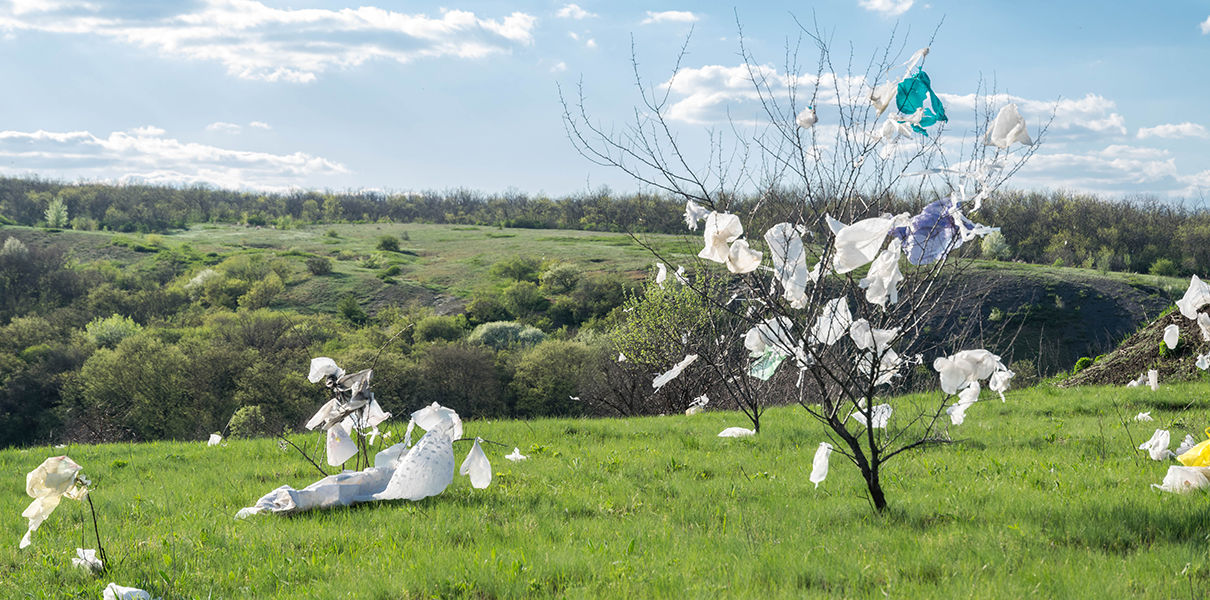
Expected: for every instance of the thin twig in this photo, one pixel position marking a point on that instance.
(97, 531)
(282, 435)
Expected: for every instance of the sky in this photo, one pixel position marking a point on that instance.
(413, 96)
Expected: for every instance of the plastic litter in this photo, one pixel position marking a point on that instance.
(215, 439)
(966, 398)
(87, 559)
(694, 212)
(1143, 417)
(48, 484)
(856, 245)
(1153, 379)
(1157, 446)
(322, 367)
(1137, 382)
(721, 229)
(1008, 129)
(698, 405)
(672, 373)
(807, 118)
(879, 415)
(969, 366)
(913, 93)
(789, 262)
(741, 258)
(1203, 361)
(516, 456)
(340, 446)
(1197, 296)
(1198, 455)
(1186, 445)
(734, 432)
(661, 275)
(819, 466)
(833, 322)
(114, 591)
(1180, 480)
(476, 466)
(869, 338)
(1203, 323)
(1172, 336)
(882, 281)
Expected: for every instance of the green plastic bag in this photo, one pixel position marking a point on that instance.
(764, 367)
(1197, 456)
(913, 92)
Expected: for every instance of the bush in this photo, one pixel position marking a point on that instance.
(108, 332)
(262, 292)
(461, 377)
(1082, 364)
(504, 334)
(518, 268)
(319, 265)
(995, 247)
(388, 243)
(486, 309)
(560, 278)
(548, 376)
(351, 310)
(524, 298)
(1164, 268)
(431, 329)
(247, 422)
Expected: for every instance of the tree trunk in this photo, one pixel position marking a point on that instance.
(874, 485)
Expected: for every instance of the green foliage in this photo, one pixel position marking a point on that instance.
(648, 330)
(109, 331)
(388, 243)
(560, 278)
(500, 335)
(462, 377)
(1082, 364)
(56, 213)
(351, 310)
(438, 328)
(262, 292)
(319, 265)
(517, 268)
(548, 376)
(598, 295)
(1164, 267)
(524, 298)
(13, 247)
(995, 247)
(486, 309)
(248, 422)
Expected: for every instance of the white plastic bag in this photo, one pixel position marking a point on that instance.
(819, 466)
(1172, 336)
(732, 432)
(1157, 446)
(477, 467)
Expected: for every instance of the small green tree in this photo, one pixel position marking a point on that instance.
(1164, 267)
(109, 331)
(995, 247)
(388, 243)
(351, 310)
(56, 213)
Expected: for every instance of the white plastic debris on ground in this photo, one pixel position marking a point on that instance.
(1187, 444)
(398, 473)
(1172, 336)
(733, 432)
(819, 465)
(1137, 382)
(1143, 416)
(215, 439)
(516, 456)
(1153, 379)
(87, 559)
(48, 484)
(1157, 446)
(697, 405)
(114, 591)
(1180, 480)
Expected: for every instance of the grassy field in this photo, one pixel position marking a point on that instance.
(1042, 496)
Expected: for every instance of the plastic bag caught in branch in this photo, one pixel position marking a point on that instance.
(741, 258)
(48, 484)
(1007, 129)
(819, 465)
(857, 244)
(869, 338)
(833, 322)
(913, 93)
(672, 373)
(323, 367)
(1203, 323)
(694, 212)
(789, 262)
(340, 446)
(879, 415)
(477, 467)
(882, 281)
(807, 118)
(721, 229)
(965, 367)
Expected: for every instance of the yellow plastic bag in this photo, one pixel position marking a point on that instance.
(1197, 456)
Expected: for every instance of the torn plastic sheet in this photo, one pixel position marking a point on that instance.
(721, 229)
(968, 366)
(833, 322)
(1186, 445)
(87, 559)
(741, 258)
(516, 456)
(856, 245)
(913, 93)
(661, 274)
(789, 262)
(807, 118)
(672, 373)
(426, 469)
(1143, 417)
(1172, 336)
(1197, 296)
(881, 283)
(48, 484)
(476, 466)
(819, 465)
(879, 415)
(114, 591)
(697, 405)
(1007, 129)
(732, 432)
(1180, 480)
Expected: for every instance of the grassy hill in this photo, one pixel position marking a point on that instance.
(1042, 496)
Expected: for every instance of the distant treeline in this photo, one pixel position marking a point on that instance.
(1144, 235)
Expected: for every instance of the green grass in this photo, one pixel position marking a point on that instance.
(1042, 496)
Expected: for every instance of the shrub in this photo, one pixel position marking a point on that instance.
(14, 247)
(524, 298)
(1082, 364)
(435, 328)
(995, 247)
(262, 292)
(548, 377)
(247, 422)
(504, 334)
(319, 265)
(560, 278)
(1164, 268)
(351, 310)
(461, 377)
(108, 332)
(388, 243)
(486, 309)
(518, 268)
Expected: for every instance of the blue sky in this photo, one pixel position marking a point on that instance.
(415, 96)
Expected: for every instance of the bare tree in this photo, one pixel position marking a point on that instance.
(820, 172)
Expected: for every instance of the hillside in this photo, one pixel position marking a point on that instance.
(1038, 496)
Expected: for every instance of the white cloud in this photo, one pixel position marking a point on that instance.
(887, 8)
(254, 41)
(591, 43)
(1172, 131)
(670, 16)
(717, 93)
(144, 155)
(1112, 170)
(559, 67)
(573, 11)
(260, 125)
(1205, 26)
(224, 127)
(1091, 116)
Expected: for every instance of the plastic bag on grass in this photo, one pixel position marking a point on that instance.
(1197, 456)
(1184, 479)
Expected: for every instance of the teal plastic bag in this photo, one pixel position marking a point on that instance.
(767, 363)
(912, 94)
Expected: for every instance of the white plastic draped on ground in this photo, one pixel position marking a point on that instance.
(1157, 446)
(48, 484)
(1184, 479)
(114, 591)
(87, 559)
(399, 473)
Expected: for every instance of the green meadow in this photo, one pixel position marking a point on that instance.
(1041, 496)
